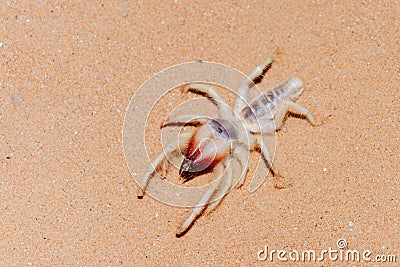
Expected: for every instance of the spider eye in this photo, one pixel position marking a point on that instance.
(220, 130)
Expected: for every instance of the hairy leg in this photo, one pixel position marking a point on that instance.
(184, 120)
(202, 205)
(297, 109)
(212, 95)
(255, 77)
(223, 189)
(277, 177)
(158, 162)
(241, 154)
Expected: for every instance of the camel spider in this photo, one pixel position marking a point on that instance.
(215, 141)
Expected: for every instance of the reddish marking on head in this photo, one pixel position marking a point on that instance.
(207, 147)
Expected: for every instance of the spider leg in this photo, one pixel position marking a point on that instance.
(289, 106)
(212, 95)
(184, 120)
(300, 110)
(220, 187)
(223, 189)
(280, 115)
(241, 155)
(255, 77)
(159, 161)
(264, 151)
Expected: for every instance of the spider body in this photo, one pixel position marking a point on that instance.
(215, 141)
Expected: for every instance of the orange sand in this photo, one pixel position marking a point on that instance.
(69, 70)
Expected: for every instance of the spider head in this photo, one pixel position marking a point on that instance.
(294, 88)
(208, 146)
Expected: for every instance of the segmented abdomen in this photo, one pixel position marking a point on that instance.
(263, 104)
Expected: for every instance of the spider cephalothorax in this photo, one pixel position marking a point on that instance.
(215, 141)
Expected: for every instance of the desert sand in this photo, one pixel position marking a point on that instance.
(69, 70)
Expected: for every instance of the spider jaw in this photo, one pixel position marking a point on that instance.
(204, 152)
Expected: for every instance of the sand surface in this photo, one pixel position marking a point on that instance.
(69, 69)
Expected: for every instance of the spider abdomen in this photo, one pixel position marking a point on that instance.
(263, 104)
